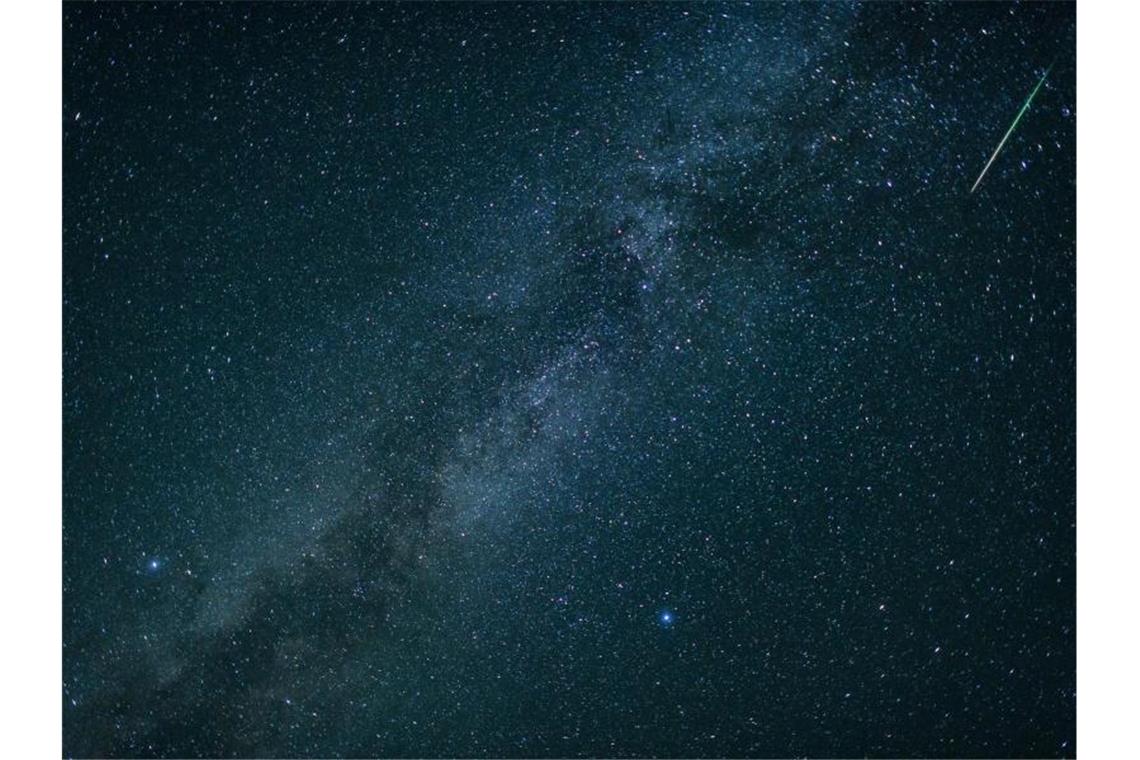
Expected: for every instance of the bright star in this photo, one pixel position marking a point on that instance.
(665, 618)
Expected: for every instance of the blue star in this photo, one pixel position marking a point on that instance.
(666, 618)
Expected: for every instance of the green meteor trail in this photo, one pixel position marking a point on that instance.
(1012, 126)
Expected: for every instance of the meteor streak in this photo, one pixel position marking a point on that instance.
(1012, 126)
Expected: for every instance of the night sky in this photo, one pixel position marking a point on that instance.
(576, 380)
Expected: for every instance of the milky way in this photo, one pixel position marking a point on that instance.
(496, 380)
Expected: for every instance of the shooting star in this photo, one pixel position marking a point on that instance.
(1012, 126)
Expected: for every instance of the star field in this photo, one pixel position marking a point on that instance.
(568, 380)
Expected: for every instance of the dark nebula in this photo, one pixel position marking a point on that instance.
(573, 380)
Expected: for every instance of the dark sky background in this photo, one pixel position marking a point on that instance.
(525, 380)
